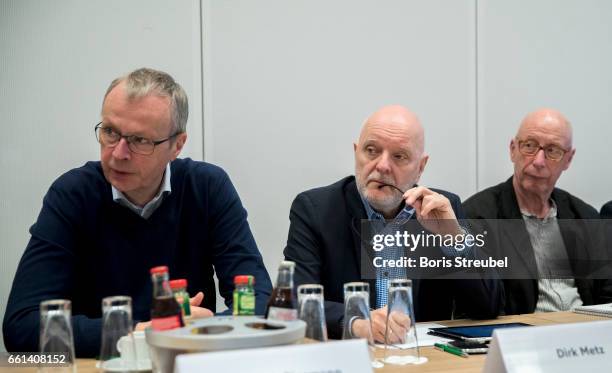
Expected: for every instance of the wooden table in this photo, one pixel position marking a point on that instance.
(438, 361)
(444, 362)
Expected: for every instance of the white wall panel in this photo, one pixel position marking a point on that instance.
(547, 53)
(289, 83)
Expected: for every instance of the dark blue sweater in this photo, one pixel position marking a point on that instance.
(85, 246)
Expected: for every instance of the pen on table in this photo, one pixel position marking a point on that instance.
(450, 349)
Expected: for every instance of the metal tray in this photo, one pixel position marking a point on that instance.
(228, 333)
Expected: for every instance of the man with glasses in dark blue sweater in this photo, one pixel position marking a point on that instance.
(104, 225)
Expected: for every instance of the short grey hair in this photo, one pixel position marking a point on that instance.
(144, 82)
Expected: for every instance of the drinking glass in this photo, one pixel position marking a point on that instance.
(312, 311)
(357, 322)
(56, 333)
(116, 324)
(401, 342)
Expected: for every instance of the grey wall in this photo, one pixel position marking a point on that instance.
(547, 53)
(278, 90)
(288, 84)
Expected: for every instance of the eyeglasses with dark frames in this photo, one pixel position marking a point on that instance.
(108, 136)
(531, 147)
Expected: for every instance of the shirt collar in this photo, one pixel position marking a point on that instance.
(164, 189)
(552, 212)
(405, 213)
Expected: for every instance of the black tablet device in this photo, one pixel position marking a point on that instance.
(473, 332)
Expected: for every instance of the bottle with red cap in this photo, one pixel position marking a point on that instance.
(244, 295)
(166, 313)
(179, 289)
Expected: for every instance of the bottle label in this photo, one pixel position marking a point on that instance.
(166, 323)
(186, 307)
(183, 300)
(244, 304)
(283, 314)
(247, 302)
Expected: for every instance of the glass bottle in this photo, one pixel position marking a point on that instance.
(179, 290)
(282, 305)
(244, 296)
(165, 311)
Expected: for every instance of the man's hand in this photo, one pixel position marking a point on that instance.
(398, 325)
(196, 311)
(433, 211)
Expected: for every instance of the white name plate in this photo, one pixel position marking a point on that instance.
(579, 347)
(351, 356)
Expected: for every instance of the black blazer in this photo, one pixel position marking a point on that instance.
(499, 202)
(324, 242)
(606, 211)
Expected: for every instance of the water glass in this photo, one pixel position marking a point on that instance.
(357, 309)
(357, 321)
(401, 342)
(56, 333)
(117, 323)
(312, 311)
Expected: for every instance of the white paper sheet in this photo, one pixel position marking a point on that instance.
(422, 336)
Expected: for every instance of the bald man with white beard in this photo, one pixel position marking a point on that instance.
(325, 231)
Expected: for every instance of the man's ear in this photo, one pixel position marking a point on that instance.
(179, 142)
(512, 148)
(422, 164)
(569, 159)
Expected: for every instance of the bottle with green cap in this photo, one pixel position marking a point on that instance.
(179, 289)
(244, 295)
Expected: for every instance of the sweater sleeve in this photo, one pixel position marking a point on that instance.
(234, 249)
(47, 271)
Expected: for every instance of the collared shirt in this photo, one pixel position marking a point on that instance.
(551, 259)
(384, 274)
(147, 210)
